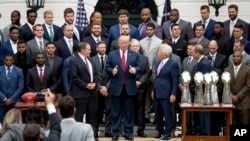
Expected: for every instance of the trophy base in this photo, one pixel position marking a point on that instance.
(227, 105)
(198, 104)
(186, 104)
(216, 105)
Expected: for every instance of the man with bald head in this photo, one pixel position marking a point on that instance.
(122, 66)
(64, 46)
(146, 18)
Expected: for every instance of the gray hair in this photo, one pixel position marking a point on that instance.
(199, 49)
(134, 40)
(166, 49)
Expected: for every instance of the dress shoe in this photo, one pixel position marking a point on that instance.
(141, 134)
(165, 138)
(108, 134)
(156, 134)
(129, 138)
(115, 138)
(172, 135)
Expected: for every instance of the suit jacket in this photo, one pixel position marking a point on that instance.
(34, 84)
(103, 76)
(220, 63)
(167, 81)
(56, 71)
(57, 31)
(80, 77)
(11, 88)
(205, 42)
(240, 85)
(203, 66)
(239, 21)
(187, 32)
(180, 48)
(245, 59)
(33, 47)
(74, 36)
(116, 82)
(158, 29)
(76, 131)
(26, 33)
(144, 74)
(55, 128)
(92, 44)
(191, 69)
(5, 48)
(87, 31)
(209, 32)
(247, 45)
(152, 51)
(114, 32)
(62, 49)
(65, 75)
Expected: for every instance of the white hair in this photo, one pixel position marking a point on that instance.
(166, 49)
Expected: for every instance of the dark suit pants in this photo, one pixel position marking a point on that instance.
(122, 110)
(163, 107)
(87, 106)
(140, 111)
(204, 123)
(241, 116)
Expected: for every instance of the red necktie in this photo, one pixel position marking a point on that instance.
(41, 75)
(123, 67)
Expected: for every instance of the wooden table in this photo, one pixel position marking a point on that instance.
(191, 108)
(24, 106)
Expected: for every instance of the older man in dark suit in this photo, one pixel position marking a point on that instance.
(240, 88)
(122, 87)
(82, 72)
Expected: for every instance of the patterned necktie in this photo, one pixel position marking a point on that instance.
(51, 35)
(41, 46)
(189, 60)
(142, 28)
(97, 40)
(159, 67)
(70, 46)
(212, 61)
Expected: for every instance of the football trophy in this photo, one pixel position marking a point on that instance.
(214, 92)
(186, 97)
(226, 97)
(198, 98)
(207, 94)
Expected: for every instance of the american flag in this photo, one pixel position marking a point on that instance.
(81, 16)
(166, 10)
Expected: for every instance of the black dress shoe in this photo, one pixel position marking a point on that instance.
(107, 134)
(141, 134)
(115, 138)
(129, 138)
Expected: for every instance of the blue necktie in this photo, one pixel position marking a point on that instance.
(8, 73)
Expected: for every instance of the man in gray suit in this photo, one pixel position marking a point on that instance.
(71, 129)
(186, 28)
(37, 45)
(199, 34)
(239, 45)
(103, 98)
(233, 20)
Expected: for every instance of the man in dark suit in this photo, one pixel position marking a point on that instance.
(11, 85)
(26, 31)
(64, 46)
(69, 20)
(165, 90)
(218, 63)
(83, 76)
(206, 21)
(52, 32)
(239, 85)
(238, 32)
(94, 38)
(103, 98)
(55, 64)
(37, 44)
(223, 41)
(39, 78)
(185, 26)
(95, 16)
(202, 66)
(122, 88)
(199, 35)
(114, 32)
(233, 20)
(146, 18)
(141, 79)
(10, 46)
(179, 45)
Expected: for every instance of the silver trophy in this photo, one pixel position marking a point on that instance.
(198, 98)
(186, 97)
(214, 92)
(226, 97)
(207, 94)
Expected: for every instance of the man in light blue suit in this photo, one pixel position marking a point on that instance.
(11, 85)
(165, 90)
(122, 66)
(114, 31)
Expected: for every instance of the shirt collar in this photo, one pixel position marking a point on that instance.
(202, 56)
(234, 21)
(9, 67)
(164, 60)
(99, 56)
(238, 66)
(213, 54)
(41, 67)
(95, 38)
(66, 39)
(176, 39)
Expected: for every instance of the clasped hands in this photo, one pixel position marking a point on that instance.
(91, 86)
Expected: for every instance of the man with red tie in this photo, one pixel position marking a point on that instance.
(122, 88)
